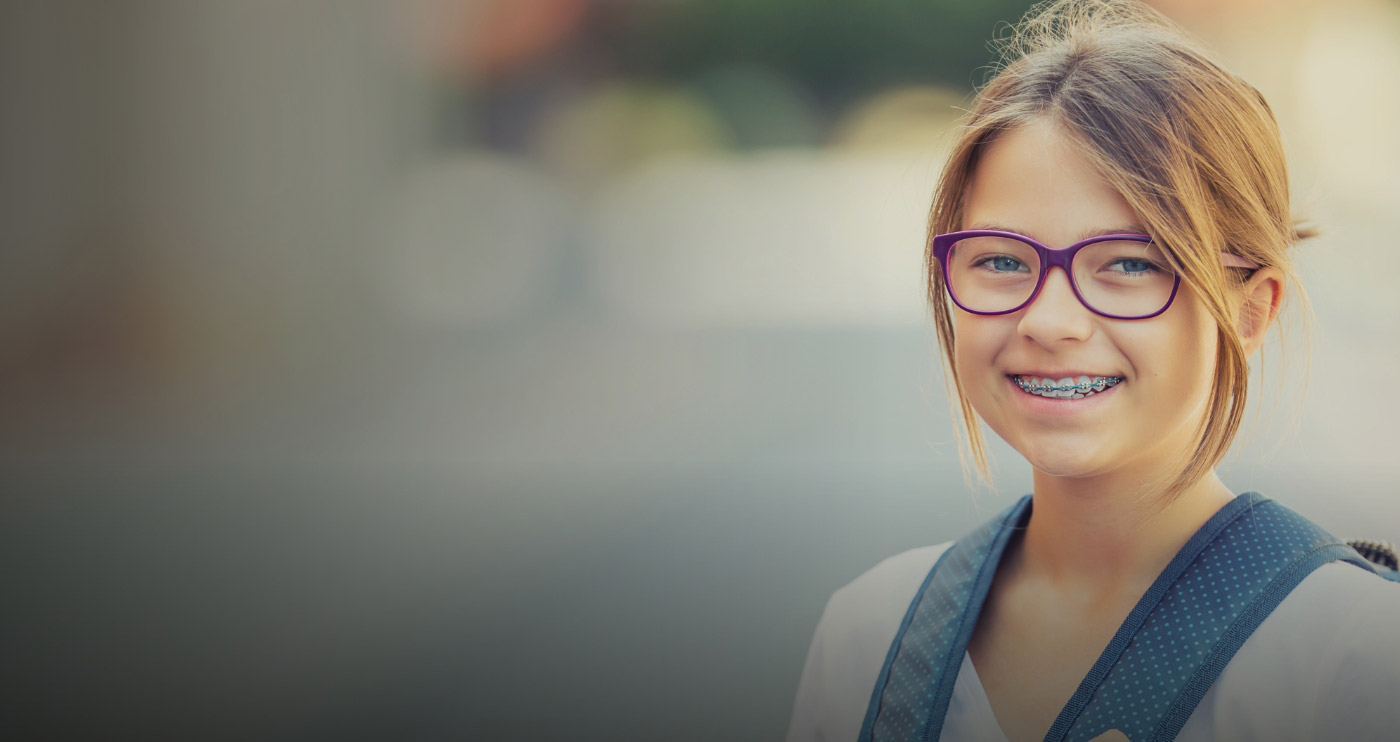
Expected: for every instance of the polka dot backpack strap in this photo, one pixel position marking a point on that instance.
(915, 685)
(1176, 641)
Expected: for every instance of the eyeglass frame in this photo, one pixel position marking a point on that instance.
(1063, 257)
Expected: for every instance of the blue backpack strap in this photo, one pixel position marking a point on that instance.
(1176, 641)
(1217, 590)
(913, 688)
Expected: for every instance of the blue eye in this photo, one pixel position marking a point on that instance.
(1002, 264)
(1133, 266)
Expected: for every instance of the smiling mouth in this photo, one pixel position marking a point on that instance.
(1066, 388)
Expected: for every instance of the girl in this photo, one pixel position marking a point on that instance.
(1109, 243)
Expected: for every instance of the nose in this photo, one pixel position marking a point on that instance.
(1056, 314)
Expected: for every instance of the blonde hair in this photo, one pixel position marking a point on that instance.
(1194, 150)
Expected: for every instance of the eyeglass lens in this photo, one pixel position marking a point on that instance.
(1126, 278)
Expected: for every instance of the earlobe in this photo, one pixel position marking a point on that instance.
(1261, 296)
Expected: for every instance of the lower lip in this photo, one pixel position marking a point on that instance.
(1060, 405)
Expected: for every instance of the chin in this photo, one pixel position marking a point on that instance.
(1059, 458)
(1062, 469)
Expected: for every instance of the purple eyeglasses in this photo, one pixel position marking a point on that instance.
(1119, 276)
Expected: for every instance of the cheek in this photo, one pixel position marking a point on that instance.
(978, 345)
(1203, 338)
(1187, 370)
(1206, 352)
(970, 351)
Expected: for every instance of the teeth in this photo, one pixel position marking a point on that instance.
(1068, 387)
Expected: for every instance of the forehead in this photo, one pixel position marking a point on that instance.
(1035, 181)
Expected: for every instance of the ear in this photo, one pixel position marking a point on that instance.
(1258, 307)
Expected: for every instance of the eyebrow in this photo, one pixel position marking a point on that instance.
(1086, 234)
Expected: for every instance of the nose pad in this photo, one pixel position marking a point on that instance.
(1056, 312)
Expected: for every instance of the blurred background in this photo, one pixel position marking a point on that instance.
(535, 369)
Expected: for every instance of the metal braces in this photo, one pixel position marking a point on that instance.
(1097, 386)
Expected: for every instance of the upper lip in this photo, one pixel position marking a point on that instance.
(1063, 374)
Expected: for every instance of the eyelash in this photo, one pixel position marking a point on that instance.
(984, 261)
(1151, 266)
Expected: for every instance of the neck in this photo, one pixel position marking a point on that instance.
(1088, 536)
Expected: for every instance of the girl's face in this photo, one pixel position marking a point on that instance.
(1031, 180)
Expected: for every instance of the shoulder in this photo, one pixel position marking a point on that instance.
(849, 646)
(1324, 665)
(862, 617)
(891, 582)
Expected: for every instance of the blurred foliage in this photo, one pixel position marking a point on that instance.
(835, 49)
